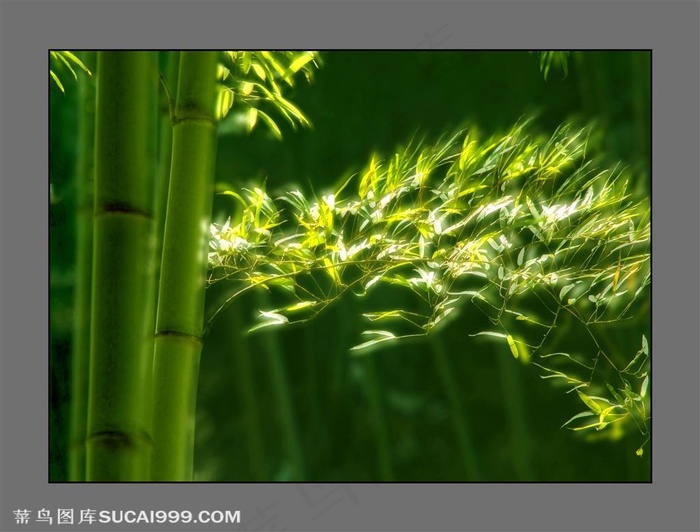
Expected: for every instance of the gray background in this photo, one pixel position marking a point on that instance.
(30, 28)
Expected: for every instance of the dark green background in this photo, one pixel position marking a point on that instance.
(361, 102)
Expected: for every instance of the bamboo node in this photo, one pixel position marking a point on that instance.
(182, 335)
(116, 439)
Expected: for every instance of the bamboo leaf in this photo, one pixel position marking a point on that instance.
(235, 195)
(57, 81)
(272, 319)
(332, 270)
(246, 88)
(522, 317)
(63, 59)
(245, 62)
(77, 61)
(587, 413)
(489, 333)
(223, 73)
(567, 355)
(565, 290)
(301, 305)
(645, 385)
(271, 124)
(294, 110)
(589, 402)
(376, 316)
(273, 62)
(368, 178)
(224, 103)
(251, 119)
(615, 394)
(259, 71)
(512, 345)
(298, 64)
(382, 336)
(636, 364)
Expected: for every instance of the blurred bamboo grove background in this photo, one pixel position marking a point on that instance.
(291, 404)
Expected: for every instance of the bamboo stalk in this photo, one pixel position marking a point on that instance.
(378, 414)
(283, 396)
(520, 439)
(81, 331)
(118, 442)
(315, 401)
(375, 399)
(251, 412)
(641, 74)
(461, 428)
(180, 316)
(165, 142)
(376, 403)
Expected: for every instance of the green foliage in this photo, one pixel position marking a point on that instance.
(505, 224)
(626, 401)
(62, 62)
(559, 60)
(255, 81)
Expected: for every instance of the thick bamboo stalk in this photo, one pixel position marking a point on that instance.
(118, 442)
(81, 327)
(180, 317)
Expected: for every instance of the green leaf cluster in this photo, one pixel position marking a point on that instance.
(557, 59)
(627, 400)
(492, 223)
(65, 62)
(255, 82)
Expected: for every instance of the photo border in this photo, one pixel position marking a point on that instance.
(670, 30)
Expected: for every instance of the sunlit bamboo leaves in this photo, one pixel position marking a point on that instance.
(557, 59)
(253, 82)
(65, 61)
(460, 221)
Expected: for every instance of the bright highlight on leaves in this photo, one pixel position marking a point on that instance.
(253, 82)
(464, 222)
(65, 61)
(557, 59)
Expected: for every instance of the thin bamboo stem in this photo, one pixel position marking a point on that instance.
(520, 439)
(461, 428)
(280, 383)
(81, 331)
(314, 404)
(376, 405)
(165, 141)
(118, 442)
(180, 316)
(375, 400)
(251, 412)
(641, 76)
